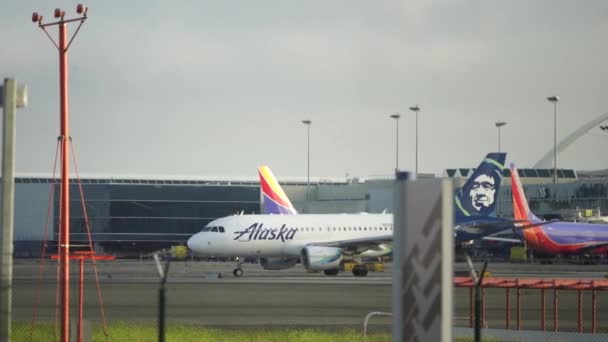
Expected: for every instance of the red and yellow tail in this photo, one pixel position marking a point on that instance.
(521, 209)
(274, 198)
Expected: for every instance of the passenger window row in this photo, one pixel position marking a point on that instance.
(220, 229)
(306, 229)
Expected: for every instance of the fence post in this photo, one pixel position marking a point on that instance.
(580, 311)
(368, 316)
(508, 306)
(518, 303)
(593, 307)
(478, 292)
(543, 307)
(483, 305)
(555, 311)
(163, 272)
(471, 307)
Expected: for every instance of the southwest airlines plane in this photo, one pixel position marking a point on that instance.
(554, 237)
(322, 242)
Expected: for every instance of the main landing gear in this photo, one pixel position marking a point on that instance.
(331, 272)
(238, 271)
(360, 271)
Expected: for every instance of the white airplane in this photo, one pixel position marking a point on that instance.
(280, 238)
(322, 242)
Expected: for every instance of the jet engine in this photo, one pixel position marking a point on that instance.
(277, 263)
(317, 258)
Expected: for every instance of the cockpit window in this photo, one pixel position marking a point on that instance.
(214, 229)
(221, 229)
(206, 229)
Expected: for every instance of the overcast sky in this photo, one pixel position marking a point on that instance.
(217, 88)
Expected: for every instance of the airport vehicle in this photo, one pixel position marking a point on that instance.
(554, 237)
(322, 242)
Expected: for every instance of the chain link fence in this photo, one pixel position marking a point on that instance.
(198, 297)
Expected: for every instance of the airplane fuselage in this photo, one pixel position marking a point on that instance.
(285, 235)
(566, 237)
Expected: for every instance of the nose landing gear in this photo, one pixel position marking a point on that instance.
(238, 271)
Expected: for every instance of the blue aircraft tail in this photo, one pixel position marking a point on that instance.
(478, 196)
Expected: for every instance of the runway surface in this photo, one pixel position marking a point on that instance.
(290, 298)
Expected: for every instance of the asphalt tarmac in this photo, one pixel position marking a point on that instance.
(287, 298)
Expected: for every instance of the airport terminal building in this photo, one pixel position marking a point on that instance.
(129, 216)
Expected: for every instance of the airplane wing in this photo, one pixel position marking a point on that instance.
(358, 244)
(480, 226)
(477, 227)
(496, 238)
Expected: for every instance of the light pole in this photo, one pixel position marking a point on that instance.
(12, 96)
(416, 109)
(396, 116)
(554, 100)
(498, 125)
(64, 226)
(307, 123)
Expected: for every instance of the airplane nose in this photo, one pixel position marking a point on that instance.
(191, 243)
(188, 243)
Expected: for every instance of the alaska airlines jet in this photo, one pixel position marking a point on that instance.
(554, 237)
(322, 242)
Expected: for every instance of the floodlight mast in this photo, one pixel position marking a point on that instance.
(554, 99)
(499, 124)
(416, 109)
(64, 229)
(396, 116)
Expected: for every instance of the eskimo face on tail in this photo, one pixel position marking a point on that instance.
(482, 193)
(477, 197)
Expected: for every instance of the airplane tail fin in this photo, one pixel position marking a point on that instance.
(521, 209)
(478, 195)
(274, 199)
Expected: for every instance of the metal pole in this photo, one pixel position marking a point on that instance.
(397, 145)
(498, 125)
(477, 313)
(555, 309)
(518, 295)
(64, 251)
(483, 306)
(64, 224)
(554, 142)
(416, 144)
(308, 169)
(9, 101)
(161, 313)
(593, 307)
(499, 139)
(471, 306)
(396, 116)
(508, 305)
(580, 311)
(478, 302)
(307, 123)
(163, 273)
(416, 109)
(543, 309)
(80, 298)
